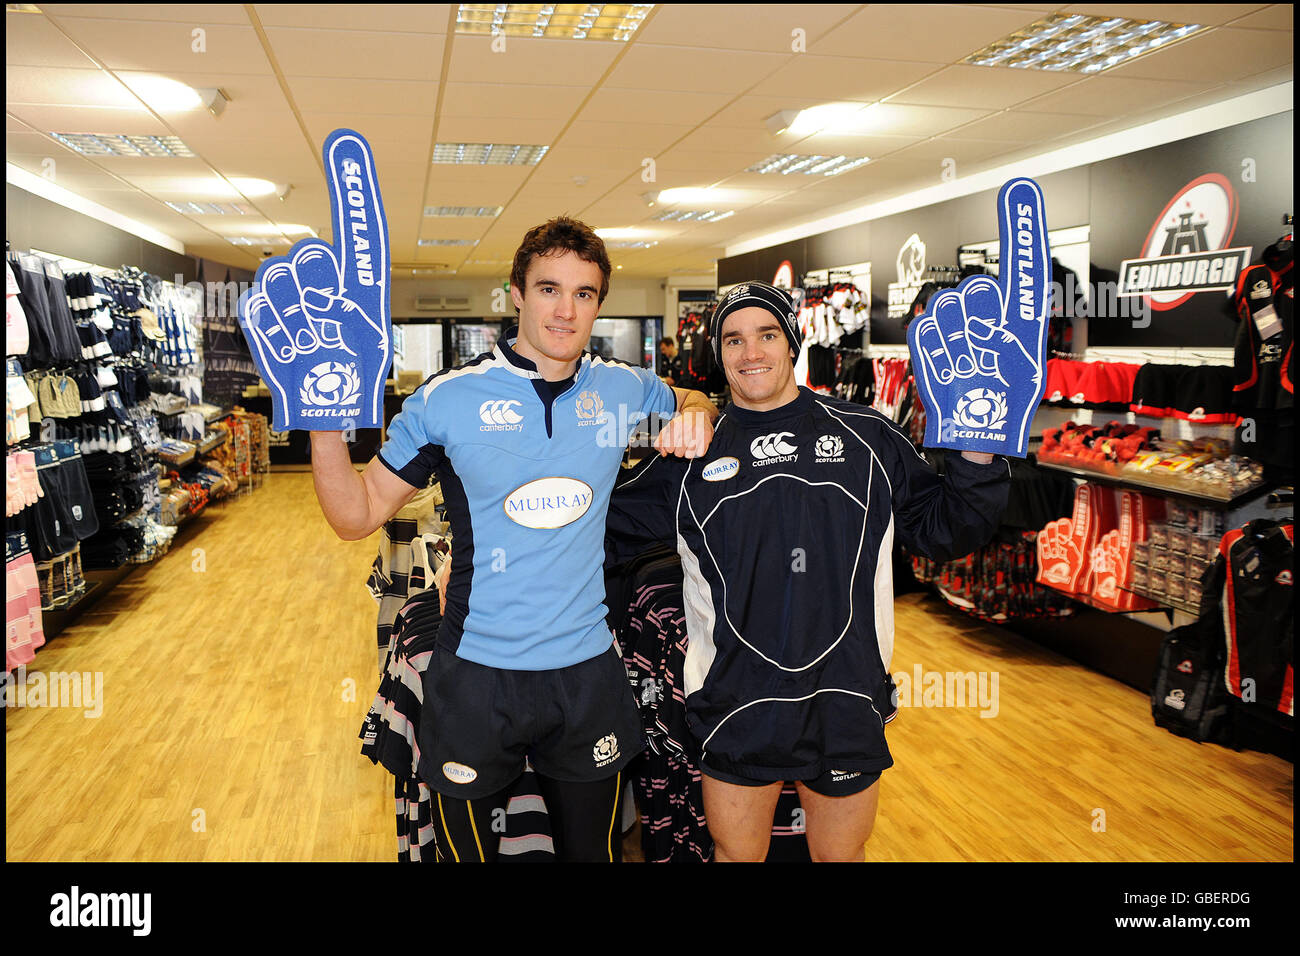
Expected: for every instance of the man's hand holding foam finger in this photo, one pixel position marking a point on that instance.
(318, 320)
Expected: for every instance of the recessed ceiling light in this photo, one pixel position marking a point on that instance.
(209, 208)
(257, 240)
(165, 94)
(253, 187)
(1080, 44)
(445, 242)
(691, 215)
(488, 154)
(571, 21)
(436, 211)
(786, 163)
(631, 244)
(778, 123)
(119, 144)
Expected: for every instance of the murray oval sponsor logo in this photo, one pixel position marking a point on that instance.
(458, 772)
(721, 469)
(548, 503)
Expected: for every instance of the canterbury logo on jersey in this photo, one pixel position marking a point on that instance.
(773, 448)
(500, 415)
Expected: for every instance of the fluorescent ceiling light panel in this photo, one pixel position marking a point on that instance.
(488, 154)
(702, 195)
(431, 212)
(569, 21)
(692, 215)
(631, 244)
(117, 144)
(1080, 44)
(257, 240)
(786, 163)
(209, 208)
(829, 117)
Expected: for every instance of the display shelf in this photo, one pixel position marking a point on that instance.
(1136, 483)
(214, 441)
(1163, 601)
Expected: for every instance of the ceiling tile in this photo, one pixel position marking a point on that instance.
(498, 180)
(484, 129)
(330, 94)
(1210, 14)
(535, 61)
(512, 101)
(89, 119)
(650, 139)
(663, 107)
(394, 17)
(834, 78)
(1101, 96)
(716, 25)
(62, 167)
(988, 87)
(647, 67)
(55, 86)
(933, 154)
(709, 138)
(1276, 16)
(440, 192)
(922, 32)
(32, 40)
(357, 54)
(164, 47)
(197, 14)
(562, 158)
(1024, 127)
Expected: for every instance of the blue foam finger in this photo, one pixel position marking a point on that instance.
(319, 320)
(989, 408)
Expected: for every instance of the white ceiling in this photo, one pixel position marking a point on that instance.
(690, 91)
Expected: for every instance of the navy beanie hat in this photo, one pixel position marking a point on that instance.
(760, 295)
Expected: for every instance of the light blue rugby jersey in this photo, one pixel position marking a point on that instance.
(527, 484)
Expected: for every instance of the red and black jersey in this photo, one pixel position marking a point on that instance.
(1264, 354)
(1257, 562)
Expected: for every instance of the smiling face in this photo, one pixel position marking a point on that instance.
(557, 309)
(758, 360)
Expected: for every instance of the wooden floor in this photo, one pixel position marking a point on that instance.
(237, 670)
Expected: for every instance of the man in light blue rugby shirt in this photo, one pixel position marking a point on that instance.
(526, 442)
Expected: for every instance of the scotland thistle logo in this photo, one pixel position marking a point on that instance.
(331, 383)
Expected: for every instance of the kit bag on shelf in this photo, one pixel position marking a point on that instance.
(1188, 696)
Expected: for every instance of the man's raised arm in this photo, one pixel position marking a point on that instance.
(355, 505)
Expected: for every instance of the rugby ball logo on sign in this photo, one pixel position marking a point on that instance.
(1188, 249)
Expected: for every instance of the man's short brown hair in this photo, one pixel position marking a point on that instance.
(561, 234)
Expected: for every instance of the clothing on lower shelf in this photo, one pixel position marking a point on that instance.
(389, 738)
(651, 631)
(24, 628)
